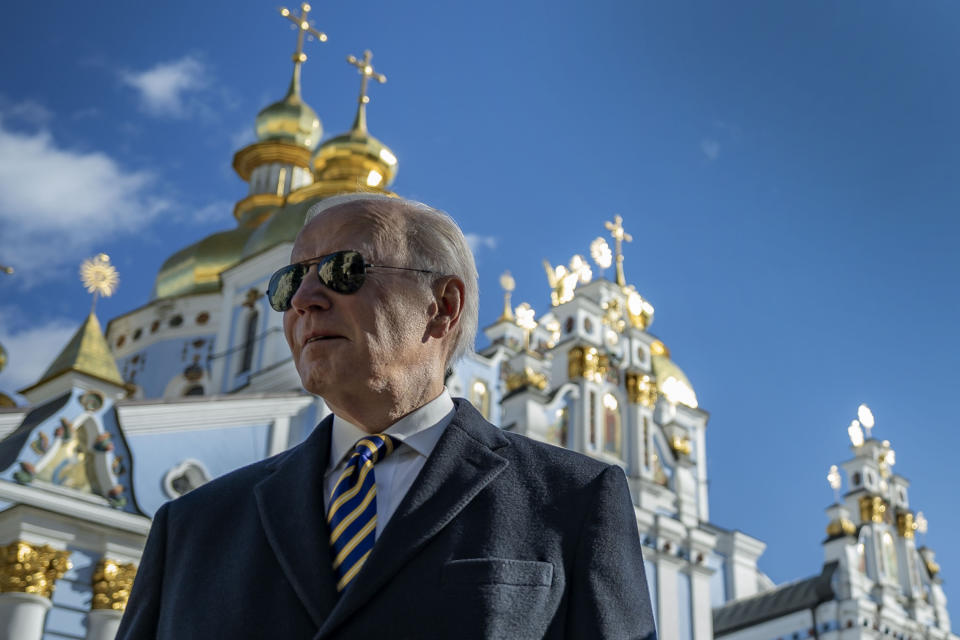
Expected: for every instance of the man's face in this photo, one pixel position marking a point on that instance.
(346, 345)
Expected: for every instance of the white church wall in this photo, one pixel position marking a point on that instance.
(220, 450)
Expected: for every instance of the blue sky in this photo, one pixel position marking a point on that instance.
(788, 172)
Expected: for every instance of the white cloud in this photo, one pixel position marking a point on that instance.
(710, 148)
(477, 242)
(219, 211)
(58, 204)
(32, 349)
(163, 88)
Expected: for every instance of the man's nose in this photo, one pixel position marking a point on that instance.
(311, 293)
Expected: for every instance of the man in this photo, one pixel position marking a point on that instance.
(404, 514)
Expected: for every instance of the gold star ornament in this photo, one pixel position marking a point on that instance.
(99, 277)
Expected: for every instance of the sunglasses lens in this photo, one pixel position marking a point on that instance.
(342, 271)
(283, 285)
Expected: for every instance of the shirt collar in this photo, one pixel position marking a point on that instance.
(416, 429)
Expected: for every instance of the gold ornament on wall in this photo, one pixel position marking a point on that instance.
(112, 582)
(27, 568)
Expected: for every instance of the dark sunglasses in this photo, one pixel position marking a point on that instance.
(343, 272)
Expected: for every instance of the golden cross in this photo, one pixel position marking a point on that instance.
(303, 26)
(619, 235)
(367, 71)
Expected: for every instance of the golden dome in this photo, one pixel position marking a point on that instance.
(356, 158)
(672, 382)
(197, 268)
(290, 120)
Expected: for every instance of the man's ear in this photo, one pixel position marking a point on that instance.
(449, 305)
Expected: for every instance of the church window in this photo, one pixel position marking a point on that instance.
(862, 558)
(194, 390)
(154, 326)
(592, 441)
(646, 442)
(176, 320)
(568, 326)
(185, 477)
(203, 318)
(250, 341)
(855, 479)
(121, 340)
(137, 334)
(587, 325)
(480, 397)
(563, 429)
(612, 426)
(890, 556)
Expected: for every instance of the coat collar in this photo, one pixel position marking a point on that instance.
(291, 502)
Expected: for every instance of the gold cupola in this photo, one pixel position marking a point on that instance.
(356, 161)
(287, 133)
(276, 164)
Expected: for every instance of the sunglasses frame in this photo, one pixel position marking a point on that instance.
(319, 262)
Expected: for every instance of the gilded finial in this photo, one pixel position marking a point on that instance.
(366, 70)
(508, 284)
(525, 320)
(619, 236)
(5, 269)
(855, 433)
(835, 480)
(99, 277)
(601, 254)
(303, 28)
(866, 418)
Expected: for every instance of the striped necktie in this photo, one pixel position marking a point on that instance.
(352, 515)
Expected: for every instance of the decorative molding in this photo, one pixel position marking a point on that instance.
(208, 413)
(68, 506)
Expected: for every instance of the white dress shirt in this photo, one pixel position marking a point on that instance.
(419, 431)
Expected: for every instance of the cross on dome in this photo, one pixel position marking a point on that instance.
(303, 27)
(619, 235)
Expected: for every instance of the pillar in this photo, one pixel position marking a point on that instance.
(111, 590)
(28, 575)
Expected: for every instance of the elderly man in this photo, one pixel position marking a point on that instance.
(405, 514)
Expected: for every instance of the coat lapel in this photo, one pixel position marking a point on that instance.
(290, 501)
(461, 465)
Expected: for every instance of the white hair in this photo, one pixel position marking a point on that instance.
(432, 240)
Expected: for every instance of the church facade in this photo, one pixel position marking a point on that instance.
(199, 381)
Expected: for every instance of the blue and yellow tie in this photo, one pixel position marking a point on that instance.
(352, 515)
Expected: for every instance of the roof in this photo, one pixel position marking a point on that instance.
(88, 353)
(776, 603)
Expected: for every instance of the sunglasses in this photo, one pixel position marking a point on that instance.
(343, 272)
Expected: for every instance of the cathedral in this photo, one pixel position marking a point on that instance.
(199, 381)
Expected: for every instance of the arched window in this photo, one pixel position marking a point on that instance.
(890, 556)
(480, 397)
(194, 390)
(612, 426)
(251, 339)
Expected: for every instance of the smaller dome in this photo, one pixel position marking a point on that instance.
(672, 382)
(197, 268)
(289, 120)
(358, 157)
